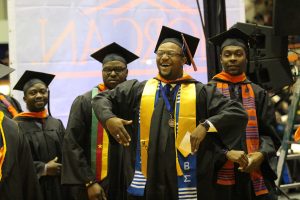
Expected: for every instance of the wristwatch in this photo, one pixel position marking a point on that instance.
(90, 183)
(206, 125)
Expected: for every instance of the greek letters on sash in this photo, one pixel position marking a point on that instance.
(185, 120)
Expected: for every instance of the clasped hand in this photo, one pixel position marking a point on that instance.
(247, 163)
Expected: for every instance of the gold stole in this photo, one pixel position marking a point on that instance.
(186, 119)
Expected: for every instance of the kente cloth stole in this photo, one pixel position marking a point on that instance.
(99, 143)
(185, 120)
(2, 145)
(8, 105)
(226, 174)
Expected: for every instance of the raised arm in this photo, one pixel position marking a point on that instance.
(226, 118)
(115, 108)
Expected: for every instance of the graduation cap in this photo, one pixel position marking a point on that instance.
(5, 70)
(30, 78)
(187, 42)
(234, 37)
(112, 52)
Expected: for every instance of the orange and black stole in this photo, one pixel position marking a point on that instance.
(40, 115)
(226, 174)
(99, 143)
(8, 105)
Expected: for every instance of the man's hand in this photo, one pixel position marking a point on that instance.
(96, 192)
(53, 167)
(197, 135)
(116, 128)
(256, 159)
(239, 157)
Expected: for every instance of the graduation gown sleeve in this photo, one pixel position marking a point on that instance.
(30, 184)
(76, 145)
(19, 179)
(229, 117)
(269, 139)
(121, 101)
(266, 115)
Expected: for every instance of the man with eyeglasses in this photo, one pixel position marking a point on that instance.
(168, 125)
(92, 161)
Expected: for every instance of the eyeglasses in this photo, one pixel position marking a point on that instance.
(116, 70)
(170, 54)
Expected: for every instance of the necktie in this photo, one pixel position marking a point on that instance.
(235, 92)
(168, 89)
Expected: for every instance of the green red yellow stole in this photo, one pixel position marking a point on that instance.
(3, 147)
(99, 143)
(226, 174)
(40, 115)
(8, 105)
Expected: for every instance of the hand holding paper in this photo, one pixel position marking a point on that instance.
(185, 145)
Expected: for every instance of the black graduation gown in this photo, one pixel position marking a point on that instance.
(13, 102)
(124, 102)
(77, 153)
(19, 180)
(269, 141)
(45, 140)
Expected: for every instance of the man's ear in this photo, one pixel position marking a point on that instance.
(184, 60)
(221, 61)
(24, 98)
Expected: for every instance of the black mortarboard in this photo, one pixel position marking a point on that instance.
(5, 70)
(31, 77)
(112, 52)
(233, 36)
(170, 35)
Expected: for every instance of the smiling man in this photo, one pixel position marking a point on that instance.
(43, 132)
(168, 151)
(165, 64)
(90, 160)
(253, 177)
